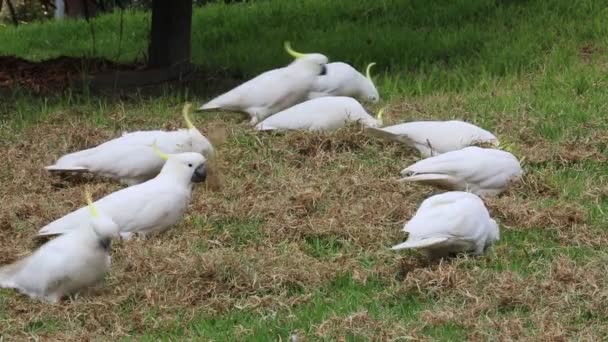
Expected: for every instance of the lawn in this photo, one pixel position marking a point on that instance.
(292, 236)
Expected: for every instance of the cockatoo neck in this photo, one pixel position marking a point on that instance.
(175, 171)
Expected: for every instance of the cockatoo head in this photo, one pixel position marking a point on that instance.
(103, 226)
(485, 138)
(188, 167)
(316, 61)
(198, 140)
(368, 89)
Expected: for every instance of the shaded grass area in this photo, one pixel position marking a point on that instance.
(439, 45)
(295, 242)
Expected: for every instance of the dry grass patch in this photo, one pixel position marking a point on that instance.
(282, 216)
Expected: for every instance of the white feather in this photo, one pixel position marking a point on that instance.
(451, 222)
(130, 158)
(432, 138)
(66, 264)
(342, 79)
(323, 113)
(271, 91)
(482, 171)
(146, 208)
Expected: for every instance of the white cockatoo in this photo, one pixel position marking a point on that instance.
(322, 113)
(482, 171)
(130, 158)
(147, 208)
(432, 138)
(274, 90)
(451, 222)
(67, 263)
(342, 79)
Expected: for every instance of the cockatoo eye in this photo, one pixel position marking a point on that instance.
(190, 165)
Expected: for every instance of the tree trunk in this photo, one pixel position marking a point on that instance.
(170, 34)
(11, 11)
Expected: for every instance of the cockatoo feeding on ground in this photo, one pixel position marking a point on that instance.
(146, 208)
(342, 79)
(322, 113)
(68, 263)
(452, 222)
(130, 158)
(432, 138)
(482, 171)
(274, 90)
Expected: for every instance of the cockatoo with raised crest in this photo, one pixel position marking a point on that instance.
(147, 208)
(130, 158)
(274, 90)
(68, 263)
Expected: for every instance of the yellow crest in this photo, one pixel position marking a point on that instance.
(381, 113)
(89, 199)
(158, 152)
(369, 67)
(185, 112)
(287, 46)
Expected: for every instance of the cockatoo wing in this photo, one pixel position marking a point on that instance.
(486, 171)
(436, 179)
(385, 134)
(452, 221)
(267, 90)
(126, 161)
(128, 157)
(453, 214)
(324, 113)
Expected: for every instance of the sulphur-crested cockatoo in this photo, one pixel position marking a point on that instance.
(432, 138)
(452, 222)
(130, 158)
(322, 113)
(147, 208)
(274, 90)
(67, 263)
(482, 171)
(342, 79)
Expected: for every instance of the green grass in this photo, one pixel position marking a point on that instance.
(518, 68)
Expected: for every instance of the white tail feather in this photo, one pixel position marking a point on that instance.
(420, 243)
(209, 106)
(8, 271)
(56, 168)
(432, 177)
(382, 134)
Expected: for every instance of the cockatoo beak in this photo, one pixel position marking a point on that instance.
(200, 174)
(323, 70)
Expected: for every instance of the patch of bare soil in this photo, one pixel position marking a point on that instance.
(54, 75)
